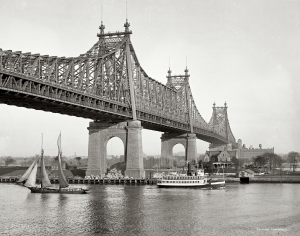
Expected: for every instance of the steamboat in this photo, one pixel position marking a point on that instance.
(190, 180)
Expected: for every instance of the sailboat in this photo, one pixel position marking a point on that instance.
(46, 186)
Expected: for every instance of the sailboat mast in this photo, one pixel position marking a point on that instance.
(45, 182)
(42, 160)
(58, 159)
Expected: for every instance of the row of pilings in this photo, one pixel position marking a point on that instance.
(92, 181)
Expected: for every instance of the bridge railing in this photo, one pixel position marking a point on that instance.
(99, 79)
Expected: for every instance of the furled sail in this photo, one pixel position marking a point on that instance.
(32, 177)
(27, 173)
(62, 180)
(45, 179)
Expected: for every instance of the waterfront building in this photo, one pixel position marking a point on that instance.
(250, 152)
(222, 155)
(221, 159)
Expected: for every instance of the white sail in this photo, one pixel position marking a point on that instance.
(45, 179)
(28, 171)
(63, 183)
(32, 177)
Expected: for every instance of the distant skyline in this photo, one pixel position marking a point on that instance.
(246, 53)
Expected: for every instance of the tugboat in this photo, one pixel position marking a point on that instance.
(46, 186)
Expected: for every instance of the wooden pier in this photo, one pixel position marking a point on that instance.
(93, 181)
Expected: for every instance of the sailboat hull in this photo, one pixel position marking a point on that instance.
(56, 190)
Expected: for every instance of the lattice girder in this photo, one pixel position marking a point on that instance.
(103, 72)
(220, 123)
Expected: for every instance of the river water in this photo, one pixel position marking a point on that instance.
(250, 209)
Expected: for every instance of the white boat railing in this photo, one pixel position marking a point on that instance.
(183, 177)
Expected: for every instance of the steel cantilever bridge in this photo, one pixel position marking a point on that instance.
(107, 83)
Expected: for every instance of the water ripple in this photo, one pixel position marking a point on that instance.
(254, 209)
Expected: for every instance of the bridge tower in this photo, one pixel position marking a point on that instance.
(130, 132)
(108, 85)
(168, 140)
(219, 121)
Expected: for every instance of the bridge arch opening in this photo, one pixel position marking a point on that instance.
(178, 154)
(115, 155)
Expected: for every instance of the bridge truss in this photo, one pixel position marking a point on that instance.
(107, 83)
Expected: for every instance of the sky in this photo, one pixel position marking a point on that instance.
(246, 53)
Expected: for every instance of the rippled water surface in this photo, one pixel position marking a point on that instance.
(253, 209)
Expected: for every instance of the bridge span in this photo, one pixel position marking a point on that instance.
(108, 85)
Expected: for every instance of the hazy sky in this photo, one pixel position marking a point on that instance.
(246, 53)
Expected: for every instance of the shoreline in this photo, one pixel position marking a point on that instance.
(264, 179)
(273, 179)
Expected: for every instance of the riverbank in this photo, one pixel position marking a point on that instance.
(265, 179)
(275, 179)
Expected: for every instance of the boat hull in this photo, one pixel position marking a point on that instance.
(182, 186)
(216, 184)
(56, 190)
(190, 183)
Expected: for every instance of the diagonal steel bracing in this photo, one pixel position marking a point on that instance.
(106, 83)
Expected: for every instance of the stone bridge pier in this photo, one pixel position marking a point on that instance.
(169, 140)
(130, 132)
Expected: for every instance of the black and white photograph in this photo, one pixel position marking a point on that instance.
(149, 117)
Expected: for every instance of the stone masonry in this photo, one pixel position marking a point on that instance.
(131, 135)
(169, 140)
(134, 163)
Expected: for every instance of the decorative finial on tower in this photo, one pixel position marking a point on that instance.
(102, 27)
(126, 25)
(214, 104)
(169, 71)
(186, 71)
(225, 104)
